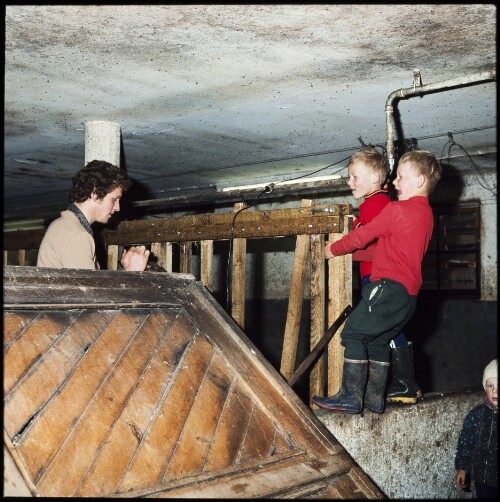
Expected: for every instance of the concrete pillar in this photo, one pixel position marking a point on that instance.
(102, 141)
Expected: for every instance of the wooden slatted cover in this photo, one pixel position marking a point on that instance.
(139, 384)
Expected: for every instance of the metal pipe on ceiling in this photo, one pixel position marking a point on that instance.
(419, 90)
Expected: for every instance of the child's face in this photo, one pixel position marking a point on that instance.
(491, 392)
(362, 180)
(409, 182)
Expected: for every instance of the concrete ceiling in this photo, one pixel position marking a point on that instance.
(209, 95)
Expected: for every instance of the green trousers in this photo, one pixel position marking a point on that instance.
(384, 309)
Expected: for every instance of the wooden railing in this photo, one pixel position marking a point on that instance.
(310, 224)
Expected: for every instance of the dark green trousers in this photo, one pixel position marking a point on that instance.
(384, 309)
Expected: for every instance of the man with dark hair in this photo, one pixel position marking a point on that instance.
(94, 197)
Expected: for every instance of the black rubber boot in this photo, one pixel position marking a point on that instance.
(349, 398)
(402, 387)
(375, 389)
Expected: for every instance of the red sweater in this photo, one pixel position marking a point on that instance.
(372, 205)
(404, 229)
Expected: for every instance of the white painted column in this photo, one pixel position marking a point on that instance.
(102, 141)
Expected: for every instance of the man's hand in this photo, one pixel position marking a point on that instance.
(135, 259)
(328, 253)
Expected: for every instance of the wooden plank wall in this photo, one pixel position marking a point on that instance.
(140, 384)
(310, 224)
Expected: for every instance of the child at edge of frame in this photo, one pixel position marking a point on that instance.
(476, 458)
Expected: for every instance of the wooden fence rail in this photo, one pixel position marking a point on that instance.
(311, 224)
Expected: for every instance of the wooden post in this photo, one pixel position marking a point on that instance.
(339, 296)
(166, 256)
(163, 251)
(206, 264)
(318, 308)
(238, 271)
(156, 251)
(5, 256)
(21, 257)
(297, 283)
(112, 262)
(186, 257)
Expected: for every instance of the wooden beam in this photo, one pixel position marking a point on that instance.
(253, 224)
(279, 191)
(249, 224)
(318, 309)
(339, 296)
(186, 257)
(238, 272)
(21, 257)
(112, 263)
(156, 251)
(167, 256)
(206, 265)
(317, 350)
(163, 252)
(292, 327)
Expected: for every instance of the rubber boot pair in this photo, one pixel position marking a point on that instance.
(402, 386)
(349, 398)
(352, 395)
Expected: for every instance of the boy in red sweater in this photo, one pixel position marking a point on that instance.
(403, 229)
(368, 172)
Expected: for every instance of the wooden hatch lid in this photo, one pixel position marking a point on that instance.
(123, 384)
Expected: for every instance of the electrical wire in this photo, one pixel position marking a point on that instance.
(301, 156)
(317, 171)
(452, 143)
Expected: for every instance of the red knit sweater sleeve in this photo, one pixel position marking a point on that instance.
(403, 230)
(349, 243)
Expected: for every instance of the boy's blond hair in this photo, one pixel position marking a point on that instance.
(426, 164)
(372, 158)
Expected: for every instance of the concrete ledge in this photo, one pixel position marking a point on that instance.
(408, 451)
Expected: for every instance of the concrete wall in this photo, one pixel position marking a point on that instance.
(408, 451)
